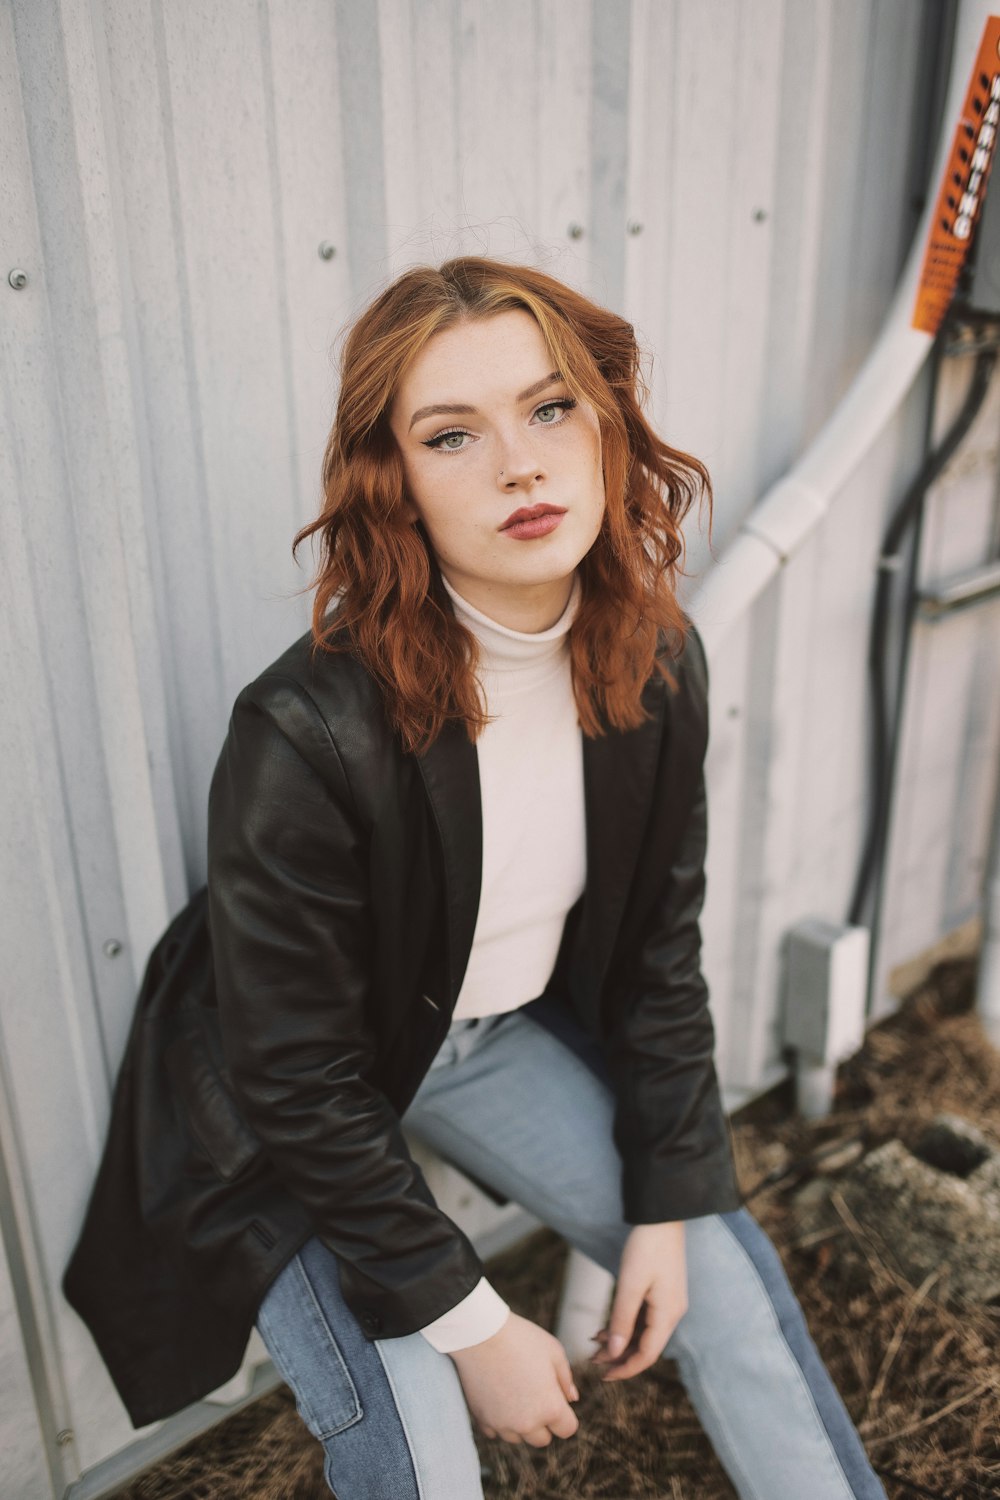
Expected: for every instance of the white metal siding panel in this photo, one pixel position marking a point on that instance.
(797, 299)
(688, 339)
(749, 191)
(235, 305)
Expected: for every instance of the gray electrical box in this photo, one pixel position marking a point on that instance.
(825, 985)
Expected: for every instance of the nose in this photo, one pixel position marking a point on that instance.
(520, 466)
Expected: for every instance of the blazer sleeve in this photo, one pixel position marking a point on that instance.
(292, 932)
(670, 1126)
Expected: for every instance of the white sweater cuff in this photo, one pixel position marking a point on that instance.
(473, 1320)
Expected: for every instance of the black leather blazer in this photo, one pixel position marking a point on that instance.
(286, 1022)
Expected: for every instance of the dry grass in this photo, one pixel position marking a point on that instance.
(921, 1381)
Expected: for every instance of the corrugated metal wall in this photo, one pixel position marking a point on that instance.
(789, 767)
(739, 176)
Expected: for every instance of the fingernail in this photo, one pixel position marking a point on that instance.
(616, 1343)
(574, 1393)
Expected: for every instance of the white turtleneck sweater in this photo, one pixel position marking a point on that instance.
(534, 852)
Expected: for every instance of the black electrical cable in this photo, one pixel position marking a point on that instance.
(904, 516)
(890, 736)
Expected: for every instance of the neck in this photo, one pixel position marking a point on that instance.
(504, 649)
(526, 607)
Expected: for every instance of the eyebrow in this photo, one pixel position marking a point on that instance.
(455, 409)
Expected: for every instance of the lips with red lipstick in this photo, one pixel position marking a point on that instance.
(533, 520)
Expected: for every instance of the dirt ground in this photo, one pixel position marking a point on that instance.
(921, 1380)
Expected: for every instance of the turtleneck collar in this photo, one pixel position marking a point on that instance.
(504, 649)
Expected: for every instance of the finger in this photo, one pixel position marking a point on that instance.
(651, 1344)
(640, 1358)
(510, 1436)
(624, 1313)
(538, 1437)
(565, 1426)
(489, 1432)
(565, 1377)
(605, 1357)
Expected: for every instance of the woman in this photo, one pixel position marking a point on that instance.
(456, 865)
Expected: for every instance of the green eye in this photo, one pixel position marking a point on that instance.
(559, 410)
(451, 442)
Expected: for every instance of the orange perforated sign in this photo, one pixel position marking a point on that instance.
(961, 196)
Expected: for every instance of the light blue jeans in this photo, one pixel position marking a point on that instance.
(518, 1108)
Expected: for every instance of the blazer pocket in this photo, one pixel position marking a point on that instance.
(210, 1111)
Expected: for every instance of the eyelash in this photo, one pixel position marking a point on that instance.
(565, 404)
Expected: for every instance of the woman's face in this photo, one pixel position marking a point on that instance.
(487, 428)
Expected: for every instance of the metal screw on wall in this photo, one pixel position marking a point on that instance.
(327, 251)
(112, 948)
(18, 279)
(634, 227)
(575, 231)
(759, 215)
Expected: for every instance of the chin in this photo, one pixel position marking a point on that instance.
(546, 569)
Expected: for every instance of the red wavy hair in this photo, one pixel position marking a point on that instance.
(378, 586)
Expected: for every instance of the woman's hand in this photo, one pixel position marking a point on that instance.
(518, 1384)
(650, 1300)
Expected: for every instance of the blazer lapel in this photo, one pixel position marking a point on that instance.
(618, 774)
(450, 771)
